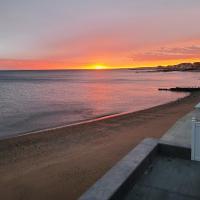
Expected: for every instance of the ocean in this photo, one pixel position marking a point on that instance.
(35, 100)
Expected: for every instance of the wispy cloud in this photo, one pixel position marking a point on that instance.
(167, 53)
(6, 64)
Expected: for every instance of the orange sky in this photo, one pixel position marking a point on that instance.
(111, 34)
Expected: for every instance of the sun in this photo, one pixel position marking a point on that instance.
(99, 67)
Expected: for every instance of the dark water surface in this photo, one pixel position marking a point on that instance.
(34, 100)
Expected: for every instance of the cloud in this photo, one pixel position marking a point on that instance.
(169, 53)
(191, 50)
(6, 64)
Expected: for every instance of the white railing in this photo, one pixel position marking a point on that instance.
(195, 140)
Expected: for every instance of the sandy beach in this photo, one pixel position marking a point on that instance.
(62, 163)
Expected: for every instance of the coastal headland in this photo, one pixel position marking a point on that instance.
(62, 163)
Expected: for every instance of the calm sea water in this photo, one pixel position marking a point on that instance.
(34, 100)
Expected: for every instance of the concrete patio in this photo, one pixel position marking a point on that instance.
(181, 132)
(168, 179)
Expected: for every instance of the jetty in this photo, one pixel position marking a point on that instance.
(181, 89)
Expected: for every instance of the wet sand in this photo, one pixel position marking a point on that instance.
(62, 163)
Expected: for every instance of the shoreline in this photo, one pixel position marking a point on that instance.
(88, 121)
(63, 163)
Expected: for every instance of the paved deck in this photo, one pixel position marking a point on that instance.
(181, 132)
(168, 179)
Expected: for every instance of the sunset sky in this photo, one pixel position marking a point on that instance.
(65, 34)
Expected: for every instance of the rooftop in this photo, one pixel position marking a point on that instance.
(168, 179)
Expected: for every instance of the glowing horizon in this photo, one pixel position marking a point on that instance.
(104, 34)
